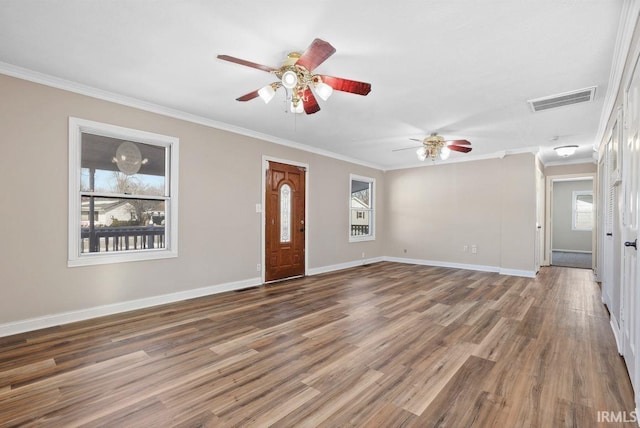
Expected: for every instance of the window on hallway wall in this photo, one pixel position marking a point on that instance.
(122, 194)
(582, 209)
(361, 208)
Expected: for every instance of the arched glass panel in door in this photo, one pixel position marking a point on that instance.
(285, 213)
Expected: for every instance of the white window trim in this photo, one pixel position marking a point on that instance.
(372, 235)
(76, 128)
(574, 198)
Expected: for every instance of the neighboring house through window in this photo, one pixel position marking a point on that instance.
(361, 208)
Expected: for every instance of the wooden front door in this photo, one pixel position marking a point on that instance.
(285, 221)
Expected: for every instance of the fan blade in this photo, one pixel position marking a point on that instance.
(458, 143)
(462, 149)
(310, 103)
(249, 96)
(247, 63)
(346, 85)
(317, 53)
(415, 139)
(407, 148)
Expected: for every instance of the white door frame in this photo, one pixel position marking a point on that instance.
(548, 226)
(265, 166)
(540, 219)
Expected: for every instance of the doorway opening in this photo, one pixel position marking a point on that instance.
(572, 221)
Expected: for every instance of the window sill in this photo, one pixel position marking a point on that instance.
(361, 238)
(133, 256)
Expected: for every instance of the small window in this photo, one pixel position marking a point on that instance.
(361, 209)
(582, 210)
(122, 194)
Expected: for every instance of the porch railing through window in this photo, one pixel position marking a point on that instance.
(124, 238)
(359, 229)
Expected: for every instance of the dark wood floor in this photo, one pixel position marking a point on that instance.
(381, 345)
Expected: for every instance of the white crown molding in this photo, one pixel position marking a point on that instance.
(628, 20)
(78, 88)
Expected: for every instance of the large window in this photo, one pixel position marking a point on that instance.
(582, 204)
(361, 208)
(122, 194)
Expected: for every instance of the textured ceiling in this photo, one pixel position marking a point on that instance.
(462, 68)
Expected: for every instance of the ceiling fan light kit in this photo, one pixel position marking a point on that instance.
(267, 93)
(422, 153)
(296, 107)
(289, 79)
(323, 90)
(296, 76)
(435, 146)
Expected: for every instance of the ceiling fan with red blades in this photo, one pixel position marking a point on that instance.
(435, 146)
(296, 76)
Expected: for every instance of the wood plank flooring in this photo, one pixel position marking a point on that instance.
(384, 345)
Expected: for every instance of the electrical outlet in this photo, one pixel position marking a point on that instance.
(258, 267)
(474, 249)
(465, 248)
(363, 254)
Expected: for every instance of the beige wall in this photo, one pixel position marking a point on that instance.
(220, 175)
(434, 211)
(431, 212)
(578, 168)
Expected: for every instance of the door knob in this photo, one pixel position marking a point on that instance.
(609, 234)
(633, 244)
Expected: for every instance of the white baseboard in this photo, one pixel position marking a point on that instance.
(481, 268)
(442, 264)
(115, 308)
(606, 300)
(571, 251)
(346, 265)
(616, 331)
(518, 272)
(31, 324)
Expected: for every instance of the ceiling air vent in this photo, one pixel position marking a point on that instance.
(564, 99)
